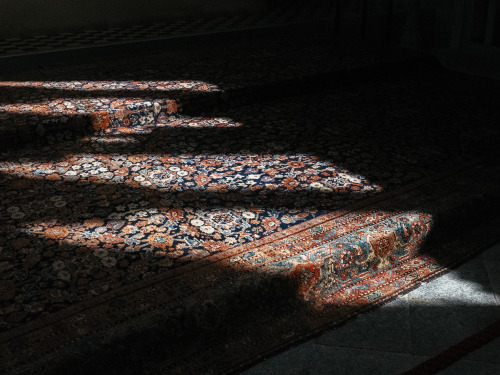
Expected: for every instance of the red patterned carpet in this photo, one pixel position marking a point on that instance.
(199, 241)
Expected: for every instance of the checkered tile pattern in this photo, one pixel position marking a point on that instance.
(293, 13)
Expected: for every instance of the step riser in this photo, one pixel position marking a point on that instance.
(384, 245)
(20, 129)
(212, 310)
(98, 118)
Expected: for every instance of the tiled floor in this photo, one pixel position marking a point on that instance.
(409, 330)
(297, 12)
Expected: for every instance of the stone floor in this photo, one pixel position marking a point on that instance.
(411, 329)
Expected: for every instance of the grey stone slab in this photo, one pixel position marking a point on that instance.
(386, 328)
(314, 359)
(294, 361)
(472, 367)
(487, 353)
(493, 253)
(437, 326)
(481, 361)
(451, 308)
(469, 284)
(493, 270)
(352, 361)
(400, 335)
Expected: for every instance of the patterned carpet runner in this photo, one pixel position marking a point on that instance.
(197, 241)
(58, 102)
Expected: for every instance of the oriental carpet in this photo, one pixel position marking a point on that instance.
(162, 241)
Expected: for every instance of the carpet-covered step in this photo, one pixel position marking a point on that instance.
(287, 284)
(200, 79)
(45, 111)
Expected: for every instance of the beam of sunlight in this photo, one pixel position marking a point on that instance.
(177, 121)
(110, 86)
(330, 263)
(184, 206)
(198, 172)
(119, 103)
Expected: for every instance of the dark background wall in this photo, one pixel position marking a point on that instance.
(446, 28)
(21, 18)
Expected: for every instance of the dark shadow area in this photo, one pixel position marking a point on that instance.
(208, 319)
(102, 199)
(38, 94)
(39, 130)
(301, 83)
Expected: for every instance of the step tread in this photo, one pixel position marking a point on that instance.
(197, 79)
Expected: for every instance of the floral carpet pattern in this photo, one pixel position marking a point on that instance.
(172, 209)
(161, 245)
(100, 105)
(63, 100)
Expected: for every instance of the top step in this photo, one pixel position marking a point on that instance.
(129, 91)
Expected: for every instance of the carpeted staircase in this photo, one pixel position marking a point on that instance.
(195, 209)
(291, 63)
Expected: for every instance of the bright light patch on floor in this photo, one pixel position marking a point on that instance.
(198, 172)
(454, 288)
(182, 85)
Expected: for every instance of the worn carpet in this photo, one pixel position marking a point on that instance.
(161, 241)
